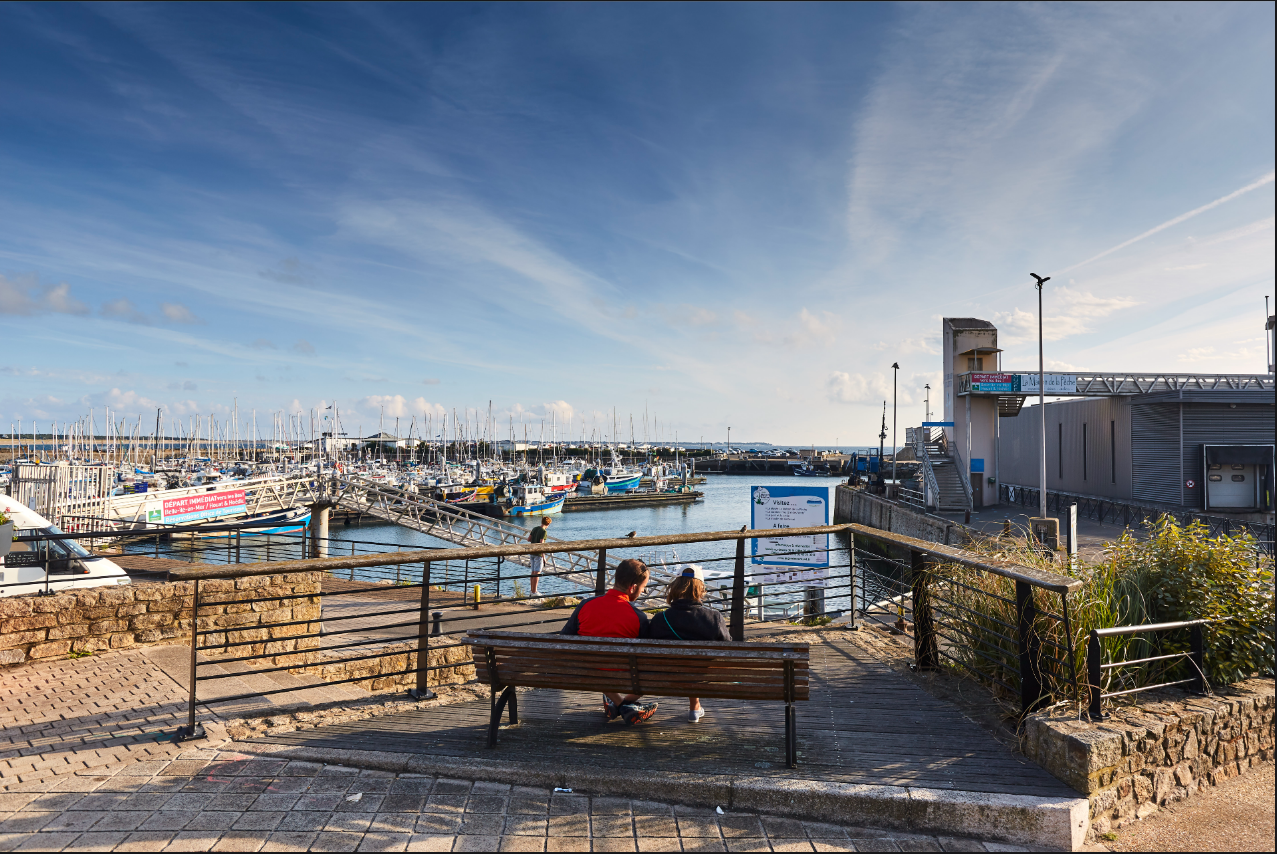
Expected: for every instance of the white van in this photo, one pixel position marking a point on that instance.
(68, 566)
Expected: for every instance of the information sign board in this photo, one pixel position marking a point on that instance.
(791, 507)
(206, 505)
(1055, 383)
(993, 382)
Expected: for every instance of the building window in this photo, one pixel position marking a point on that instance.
(975, 363)
(1113, 450)
(1084, 451)
(1061, 431)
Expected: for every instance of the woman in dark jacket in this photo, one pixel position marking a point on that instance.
(687, 619)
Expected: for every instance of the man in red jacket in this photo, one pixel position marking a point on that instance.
(613, 615)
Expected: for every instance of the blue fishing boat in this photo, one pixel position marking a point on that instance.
(526, 500)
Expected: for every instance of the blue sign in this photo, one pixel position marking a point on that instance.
(977, 465)
(778, 507)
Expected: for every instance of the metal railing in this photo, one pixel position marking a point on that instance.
(1128, 514)
(1195, 658)
(982, 617)
(409, 602)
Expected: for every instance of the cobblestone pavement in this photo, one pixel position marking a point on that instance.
(208, 800)
(61, 716)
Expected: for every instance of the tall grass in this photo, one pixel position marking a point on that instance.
(1176, 573)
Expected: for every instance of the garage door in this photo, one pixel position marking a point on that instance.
(1230, 486)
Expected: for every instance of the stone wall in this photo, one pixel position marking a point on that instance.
(1147, 756)
(856, 505)
(396, 667)
(84, 621)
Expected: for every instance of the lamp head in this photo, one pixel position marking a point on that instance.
(895, 365)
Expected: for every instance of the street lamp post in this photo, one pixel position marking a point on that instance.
(895, 372)
(1041, 403)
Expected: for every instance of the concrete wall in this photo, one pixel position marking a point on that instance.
(1149, 756)
(855, 505)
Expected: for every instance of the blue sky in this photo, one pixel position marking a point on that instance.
(720, 215)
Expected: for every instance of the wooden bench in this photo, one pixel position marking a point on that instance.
(654, 668)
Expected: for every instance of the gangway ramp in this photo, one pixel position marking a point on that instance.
(457, 525)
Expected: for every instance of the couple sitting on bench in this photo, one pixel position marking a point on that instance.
(613, 615)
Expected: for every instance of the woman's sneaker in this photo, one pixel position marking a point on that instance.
(695, 715)
(636, 713)
(610, 709)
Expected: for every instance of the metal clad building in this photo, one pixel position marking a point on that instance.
(1148, 448)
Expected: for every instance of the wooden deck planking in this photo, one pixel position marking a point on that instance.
(864, 724)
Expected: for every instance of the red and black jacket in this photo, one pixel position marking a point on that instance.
(611, 615)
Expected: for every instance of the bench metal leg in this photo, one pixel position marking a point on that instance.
(791, 736)
(498, 706)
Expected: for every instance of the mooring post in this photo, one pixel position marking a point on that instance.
(926, 653)
(738, 593)
(422, 691)
(1030, 648)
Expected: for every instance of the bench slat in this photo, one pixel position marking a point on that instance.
(540, 638)
(683, 650)
(751, 676)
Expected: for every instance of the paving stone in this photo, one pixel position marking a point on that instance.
(875, 844)
(69, 821)
(522, 843)
(54, 801)
(839, 845)
(194, 840)
(611, 825)
(14, 801)
(446, 803)
(481, 825)
(403, 803)
(148, 840)
(333, 785)
(568, 825)
(239, 841)
(486, 804)
(274, 803)
(918, 844)
(427, 842)
(609, 806)
(747, 843)
(384, 842)
(392, 823)
(445, 786)
(697, 826)
(658, 843)
(239, 803)
(740, 825)
(185, 768)
(288, 840)
(411, 787)
(481, 787)
(569, 805)
(48, 841)
(438, 825)
(213, 820)
(258, 821)
(192, 801)
(121, 820)
(335, 841)
(348, 823)
(322, 803)
(93, 841)
(313, 821)
(476, 843)
(613, 843)
(570, 843)
(791, 844)
(783, 828)
(166, 820)
(651, 808)
(366, 803)
(521, 805)
(288, 785)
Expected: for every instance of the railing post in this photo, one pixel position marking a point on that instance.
(738, 593)
(1030, 648)
(1197, 647)
(926, 654)
(1094, 674)
(192, 730)
(237, 545)
(853, 622)
(600, 574)
(422, 691)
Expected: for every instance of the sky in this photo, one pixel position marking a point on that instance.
(698, 216)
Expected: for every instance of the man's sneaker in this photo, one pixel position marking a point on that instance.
(695, 715)
(636, 713)
(609, 708)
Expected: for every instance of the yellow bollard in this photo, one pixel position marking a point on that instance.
(477, 597)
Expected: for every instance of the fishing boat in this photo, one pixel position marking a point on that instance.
(527, 500)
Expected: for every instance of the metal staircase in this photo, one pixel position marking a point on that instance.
(947, 489)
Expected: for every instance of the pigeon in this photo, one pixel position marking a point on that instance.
(632, 534)
(1041, 281)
